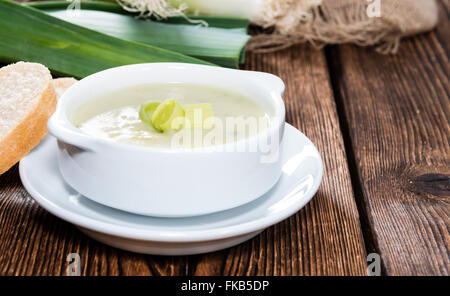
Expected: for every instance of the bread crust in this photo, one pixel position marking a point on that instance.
(62, 84)
(29, 132)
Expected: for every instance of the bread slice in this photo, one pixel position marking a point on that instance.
(62, 84)
(27, 100)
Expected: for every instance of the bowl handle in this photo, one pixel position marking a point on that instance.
(65, 134)
(270, 81)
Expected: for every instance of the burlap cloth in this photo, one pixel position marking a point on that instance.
(343, 21)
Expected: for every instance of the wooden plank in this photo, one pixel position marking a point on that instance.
(322, 239)
(397, 111)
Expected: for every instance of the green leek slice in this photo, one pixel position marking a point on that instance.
(146, 111)
(168, 115)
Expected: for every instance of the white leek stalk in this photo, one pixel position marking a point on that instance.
(248, 9)
(284, 14)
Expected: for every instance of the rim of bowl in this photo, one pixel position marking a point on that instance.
(59, 123)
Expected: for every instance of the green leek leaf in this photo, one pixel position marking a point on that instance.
(220, 46)
(28, 34)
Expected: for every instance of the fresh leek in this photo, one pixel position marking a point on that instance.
(217, 45)
(28, 34)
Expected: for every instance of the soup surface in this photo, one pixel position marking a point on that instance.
(115, 116)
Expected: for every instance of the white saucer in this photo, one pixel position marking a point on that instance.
(302, 174)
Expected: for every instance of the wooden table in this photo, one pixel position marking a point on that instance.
(382, 126)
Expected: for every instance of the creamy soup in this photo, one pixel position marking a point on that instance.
(115, 116)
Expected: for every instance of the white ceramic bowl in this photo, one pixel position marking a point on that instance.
(169, 182)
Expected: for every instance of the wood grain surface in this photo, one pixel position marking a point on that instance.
(324, 238)
(396, 118)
